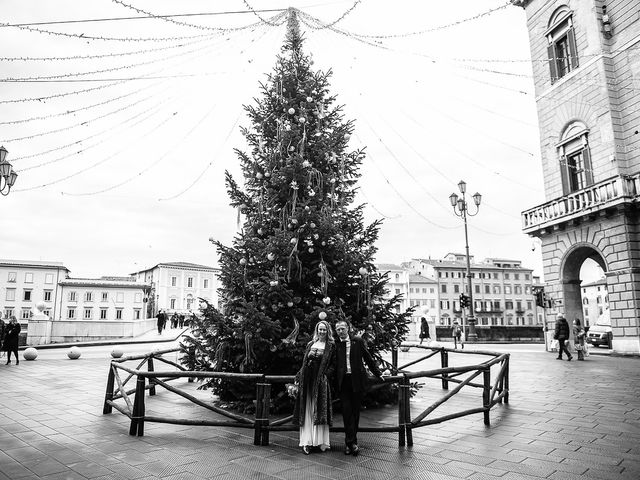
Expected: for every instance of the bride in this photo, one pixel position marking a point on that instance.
(312, 410)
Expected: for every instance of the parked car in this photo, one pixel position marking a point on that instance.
(600, 333)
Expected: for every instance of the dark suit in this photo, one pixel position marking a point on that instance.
(352, 386)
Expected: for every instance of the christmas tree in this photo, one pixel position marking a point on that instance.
(303, 254)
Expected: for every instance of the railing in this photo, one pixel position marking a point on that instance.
(262, 423)
(592, 198)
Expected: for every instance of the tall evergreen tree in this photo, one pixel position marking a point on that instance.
(303, 253)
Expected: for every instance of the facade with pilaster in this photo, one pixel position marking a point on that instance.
(586, 68)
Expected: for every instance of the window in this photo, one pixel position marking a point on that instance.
(8, 312)
(561, 49)
(26, 314)
(586, 313)
(496, 289)
(48, 278)
(205, 283)
(189, 282)
(47, 312)
(411, 290)
(432, 303)
(47, 295)
(137, 298)
(88, 313)
(105, 296)
(11, 294)
(174, 281)
(585, 301)
(26, 295)
(172, 304)
(456, 288)
(529, 306)
(397, 277)
(72, 297)
(506, 276)
(496, 304)
(477, 288)
(119, 297)
(432, 290)
(526, 276)
(71, 313)
(12, 277)
(508, 304)
(516, 276)
(443, 288)
(495, 275)
(517, 289)
(28, 277)
(136, 314)
(424, 290)
(103, 313)
(598, 299)
(507, 289)
(519, 305)
(487, 289)
(397, 291)
(575, 159)
(88, 296)
(119, 313)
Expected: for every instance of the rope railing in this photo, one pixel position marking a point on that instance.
(264, 422)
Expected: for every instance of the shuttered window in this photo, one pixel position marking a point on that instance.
(562, 50)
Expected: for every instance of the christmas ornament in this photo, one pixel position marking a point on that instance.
(273, 348)
(292, 111)
(362, 271)
(309, 99)
(326, 300)
(306, 164)
(260, 231)
(292, 148)
(312, 193)
(271, 257)
(322, 315)
(312, 225)
(347, 137)
(289, 304)
(311, 250)
(243, 261)
(302, 120)
(267, 174)
(293, 241)
(294, 221)
(259, 175)
(273, 283)
(287, 128)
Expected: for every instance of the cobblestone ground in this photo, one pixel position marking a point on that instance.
(565, 420)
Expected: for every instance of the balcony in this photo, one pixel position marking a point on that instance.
(595, 198)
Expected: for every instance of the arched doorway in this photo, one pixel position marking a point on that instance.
(570, 274)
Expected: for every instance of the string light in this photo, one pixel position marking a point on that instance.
(275, 19)
(341, 17)
(266, 22)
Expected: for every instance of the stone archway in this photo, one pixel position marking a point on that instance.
(570, 277)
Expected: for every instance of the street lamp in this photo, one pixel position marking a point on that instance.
(7, 174)
(460, 208)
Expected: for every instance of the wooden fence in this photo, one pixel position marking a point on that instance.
(263, 422)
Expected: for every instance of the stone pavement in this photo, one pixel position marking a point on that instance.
(565, 420)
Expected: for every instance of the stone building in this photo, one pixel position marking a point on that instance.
(586, 69)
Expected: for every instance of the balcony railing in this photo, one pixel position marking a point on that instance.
(602, 195)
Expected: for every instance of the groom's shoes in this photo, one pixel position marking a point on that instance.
(355, 450)
(347, 450)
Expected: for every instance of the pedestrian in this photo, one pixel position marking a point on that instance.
(2, 327)
(312, 410)
(562, 335)
(181, 321)
(351, 377)
(456, 333)
(161, 321)
(578, 338)
(10, 342)
(174, 320)
(424, 330)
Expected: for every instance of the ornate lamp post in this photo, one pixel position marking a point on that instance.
(7, 174)
(460, 208)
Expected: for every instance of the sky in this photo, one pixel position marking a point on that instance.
(121, 129)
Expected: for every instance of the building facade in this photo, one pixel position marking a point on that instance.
(398, 283)
(23, 283)
(595, 301)
(502, 290)
(177, 286)
(586, 68)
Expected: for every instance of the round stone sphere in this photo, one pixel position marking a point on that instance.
(73, 353)
(117, 352)
(30, 353)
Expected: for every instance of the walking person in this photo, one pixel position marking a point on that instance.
(2, 327)
(562, 335)
(351, 377)
(456, 333)
(424, 330)
(312, 410)
(10, 342)
(578, 338)
(162, 318)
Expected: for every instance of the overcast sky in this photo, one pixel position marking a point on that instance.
(131, 173)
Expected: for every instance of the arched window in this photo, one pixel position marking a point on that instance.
(585, 301)
(575, 159)
(563, 55)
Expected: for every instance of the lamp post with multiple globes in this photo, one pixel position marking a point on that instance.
(7, 174)
(461, 209)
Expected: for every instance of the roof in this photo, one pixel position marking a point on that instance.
(602, 281)
(420, 279)
(388, 266)
(476, 266)
(179, 265)
(102, 282)
(33, 263)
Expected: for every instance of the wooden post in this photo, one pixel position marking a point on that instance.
(407, 412)
(506, 381)
(266, 392)
(401, 414)
(394, 360)
(486, 392)
(137, 417)
(444, 362)
(152, 383)
(107, 408)
(257, 434)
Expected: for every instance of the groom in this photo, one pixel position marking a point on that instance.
(351, 379)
